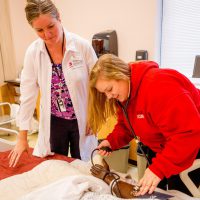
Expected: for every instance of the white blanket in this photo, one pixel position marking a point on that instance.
(59, 180)
(69, 188)
(45, 173)
(87, 188)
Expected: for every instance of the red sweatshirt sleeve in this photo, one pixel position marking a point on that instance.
(179, 122)
(120, 135)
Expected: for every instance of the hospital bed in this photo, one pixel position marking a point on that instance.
(57, 177)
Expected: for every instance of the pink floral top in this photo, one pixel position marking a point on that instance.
(61, 104)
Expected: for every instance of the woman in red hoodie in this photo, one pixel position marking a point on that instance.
(161, 107)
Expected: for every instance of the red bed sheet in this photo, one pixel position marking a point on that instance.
(26, 163)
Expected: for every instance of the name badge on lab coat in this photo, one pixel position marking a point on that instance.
(75, 61)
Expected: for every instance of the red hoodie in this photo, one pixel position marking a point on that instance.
(164, 110)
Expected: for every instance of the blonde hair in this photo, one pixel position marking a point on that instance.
(35, 8)
(100, 108)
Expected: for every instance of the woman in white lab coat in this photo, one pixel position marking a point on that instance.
(57, 64)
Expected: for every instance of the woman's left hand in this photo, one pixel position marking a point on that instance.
(148, 182)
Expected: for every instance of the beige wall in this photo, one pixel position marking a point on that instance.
(22, 32)
(134, 20)
(7, 60)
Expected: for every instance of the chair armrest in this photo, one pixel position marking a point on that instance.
(5, 104)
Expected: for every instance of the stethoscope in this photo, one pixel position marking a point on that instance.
(139, 143)
(116, 176)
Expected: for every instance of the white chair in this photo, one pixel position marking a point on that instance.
(6, 119)
(6, 145)
(195, 191)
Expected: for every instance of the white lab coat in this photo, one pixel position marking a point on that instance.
(36, 75)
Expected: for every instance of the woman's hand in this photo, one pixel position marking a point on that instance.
(148, 182)
(104, 143)
(20, 147)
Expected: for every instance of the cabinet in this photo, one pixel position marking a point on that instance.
(5, 96)
(14, 90)
(10, 92)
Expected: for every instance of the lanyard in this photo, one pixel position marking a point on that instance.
(53, 64)
(60, 101)
(139, 143)
(62, 49)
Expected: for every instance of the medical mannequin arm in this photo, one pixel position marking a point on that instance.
(120, 188)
